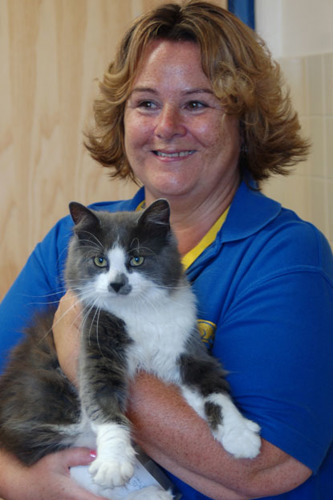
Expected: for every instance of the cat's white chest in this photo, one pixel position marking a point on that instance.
(159, 332)
(158, 319)
(153, 352)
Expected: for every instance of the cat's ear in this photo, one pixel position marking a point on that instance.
(81, 213)
(158, 213)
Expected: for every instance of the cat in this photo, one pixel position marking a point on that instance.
(139, 313)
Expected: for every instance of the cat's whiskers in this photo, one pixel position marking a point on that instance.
(90, 328)
(55, 294)
(98, 312)
(136, 246)
(75, 285)
(68, 310)
(59, 319)
(92, 321)
(144, 301)
(94, 237)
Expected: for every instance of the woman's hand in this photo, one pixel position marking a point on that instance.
(47, 479)
(67, 333)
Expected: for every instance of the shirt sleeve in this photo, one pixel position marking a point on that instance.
(40, 284)
(276, 340)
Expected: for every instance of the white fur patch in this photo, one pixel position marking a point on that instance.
(114, 464)
(238, 435)
(160, 328)
(194, 399)
(117, 259)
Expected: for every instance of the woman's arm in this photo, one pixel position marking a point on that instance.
(171, 432)
(179, 440)
(66, 333)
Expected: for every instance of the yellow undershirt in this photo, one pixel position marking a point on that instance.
(207, 240)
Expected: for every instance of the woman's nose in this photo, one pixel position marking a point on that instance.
(169, 123)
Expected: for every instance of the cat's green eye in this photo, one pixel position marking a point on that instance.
(136, 261)
(100, 262)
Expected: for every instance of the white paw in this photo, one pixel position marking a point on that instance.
(238, 435)
(114, 464)
(240, 438)
(150, 493)
(109, 473)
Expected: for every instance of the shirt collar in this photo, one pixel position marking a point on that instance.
(249, 212)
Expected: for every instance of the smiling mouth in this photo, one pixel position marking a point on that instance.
(180, 154)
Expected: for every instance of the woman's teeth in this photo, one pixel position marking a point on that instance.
(180, 154)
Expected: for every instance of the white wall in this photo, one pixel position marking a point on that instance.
(300, 35)
(295, 27)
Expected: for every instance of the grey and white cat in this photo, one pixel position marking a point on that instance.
(139, 313)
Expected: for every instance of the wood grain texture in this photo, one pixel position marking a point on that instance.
(51, 52)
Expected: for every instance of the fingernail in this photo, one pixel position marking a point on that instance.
(93, 454)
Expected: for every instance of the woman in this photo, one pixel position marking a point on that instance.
(192, 108)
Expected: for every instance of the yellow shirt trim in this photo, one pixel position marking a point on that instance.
(207, 240)
(141, 205)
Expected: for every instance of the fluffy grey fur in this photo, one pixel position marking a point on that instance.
(138, 313)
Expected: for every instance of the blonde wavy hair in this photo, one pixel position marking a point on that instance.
(243, 76)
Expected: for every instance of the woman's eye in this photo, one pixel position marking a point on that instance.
(146, 105)
(136, 261)
(100, 262)
(194, 105)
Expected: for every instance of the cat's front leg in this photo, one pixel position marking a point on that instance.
(103, 392)
(205, 388)
(238, 435)
(114, 464)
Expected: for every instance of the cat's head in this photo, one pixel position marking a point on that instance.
(113, 256)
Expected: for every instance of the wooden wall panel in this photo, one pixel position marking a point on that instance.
(51, 52)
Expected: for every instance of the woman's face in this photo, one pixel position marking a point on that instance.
(178, 140)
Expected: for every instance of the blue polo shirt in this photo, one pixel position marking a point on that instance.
(265, 307)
